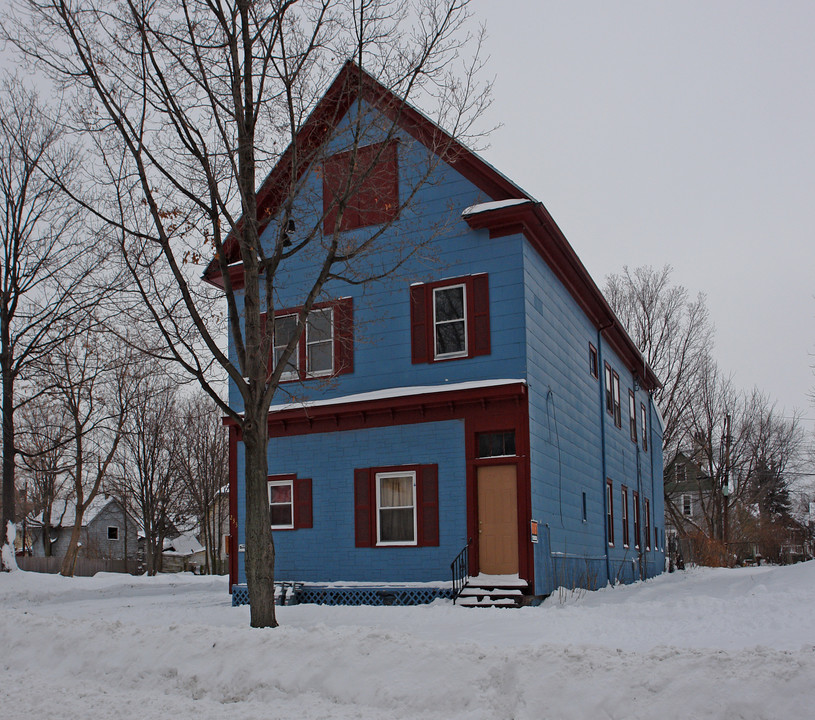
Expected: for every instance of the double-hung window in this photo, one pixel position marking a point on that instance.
(632, 415)
(396, 508)
(647, 507)
(644, 425)
(290, 505)
(615, 386)
(626, 539)
(325, 346)
(636, 508)
(450, 322)
(687, 505)
(609, 513)
(450, 319)
(281, 504)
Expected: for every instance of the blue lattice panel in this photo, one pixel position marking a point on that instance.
(351, 595)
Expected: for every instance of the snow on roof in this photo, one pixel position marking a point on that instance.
(394, 393)
(66, 509)
(184, 544)
(496, 205)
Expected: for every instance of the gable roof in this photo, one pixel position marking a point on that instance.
(511, 210)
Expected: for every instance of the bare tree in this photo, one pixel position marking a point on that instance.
(91, 378)
(184, 101)
(202, 461)
(43, 266)
(43, 440)
(148, 477)
(674, 333)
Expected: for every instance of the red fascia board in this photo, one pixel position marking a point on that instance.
(327, 115)
(405, 409)
(534, 222)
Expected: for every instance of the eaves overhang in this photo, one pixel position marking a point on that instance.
(533, 221)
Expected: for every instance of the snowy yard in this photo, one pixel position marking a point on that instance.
(702, 644)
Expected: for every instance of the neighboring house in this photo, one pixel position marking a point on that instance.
(182, 553)
(108, 532)
(216, 537)
(688, 490)
(488, 399)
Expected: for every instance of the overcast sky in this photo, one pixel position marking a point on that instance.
(679, 133)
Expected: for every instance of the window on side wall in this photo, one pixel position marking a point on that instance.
(687, 505)
(450, 319)
(615, 385)
(290, 504)
(324, 348)
(113, 532)
(609, 390)
(636, 509)
(647, 508)
(594, 367)
(644, 425)
(624, 515)
(610, 512)
(632, 415)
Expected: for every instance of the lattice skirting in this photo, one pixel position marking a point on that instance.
(321, 595)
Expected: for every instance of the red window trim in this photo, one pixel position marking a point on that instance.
(594, 362)
(610, 512)
(644, 417)
(608, 379)
(624, 518)
(302, 501)
(427, 505)
(477, 317)
(615, 387)
(375, 200)
(343, 327)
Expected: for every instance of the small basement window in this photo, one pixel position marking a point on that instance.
(496, 444)
(113, 532)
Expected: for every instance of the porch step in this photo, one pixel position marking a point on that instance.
(493, 591)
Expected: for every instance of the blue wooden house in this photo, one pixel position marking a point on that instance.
(480, 408)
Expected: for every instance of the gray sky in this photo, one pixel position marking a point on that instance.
(678, 133)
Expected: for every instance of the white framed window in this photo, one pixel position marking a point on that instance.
(450, 321)
(687, 505)
(113, 532)
(320, 342)
(396, 508)
(285, 328)
(281, 504)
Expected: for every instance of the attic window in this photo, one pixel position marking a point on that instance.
(360, 188)
(113, 532)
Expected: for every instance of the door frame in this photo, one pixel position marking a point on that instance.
(514, 418)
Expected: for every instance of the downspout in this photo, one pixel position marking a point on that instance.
(601, 372)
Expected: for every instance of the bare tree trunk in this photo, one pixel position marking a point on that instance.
(69, 561)
(8, 443)
(260, 553)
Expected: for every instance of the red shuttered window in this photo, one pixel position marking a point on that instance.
(450, 319)
(396, 506)
(361, 188)
(290, 502)
(326, 344)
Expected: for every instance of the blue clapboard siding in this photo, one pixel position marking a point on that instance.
(326, 552)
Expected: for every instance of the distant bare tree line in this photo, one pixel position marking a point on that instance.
(751, 454)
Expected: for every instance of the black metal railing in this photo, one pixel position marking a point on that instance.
(460, 569)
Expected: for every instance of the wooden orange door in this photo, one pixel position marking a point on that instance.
(497, 520)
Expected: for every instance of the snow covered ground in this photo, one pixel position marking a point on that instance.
(700, 644)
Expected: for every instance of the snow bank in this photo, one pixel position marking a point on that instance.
(701, 644)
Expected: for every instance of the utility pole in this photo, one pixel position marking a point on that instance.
(726, 487)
